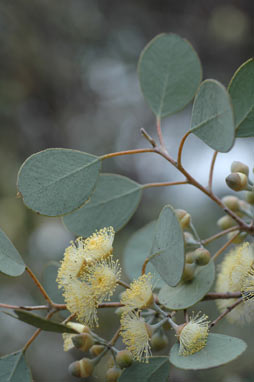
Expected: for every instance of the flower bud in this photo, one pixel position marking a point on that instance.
(83, 341)
(82, 368)
(183, 217)
(202, 256)
(189, 241)
(188, 273)
(80, 328)
(113, 374)
(124, 358)
(96, 350)
(189, 258)
(244, 208)
(159, 341)
(225, 222)
(239, 167)
(239, 238)
(237, 181)
(249, 197)
(232, 202)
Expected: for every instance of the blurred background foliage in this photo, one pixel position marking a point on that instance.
(68, 79)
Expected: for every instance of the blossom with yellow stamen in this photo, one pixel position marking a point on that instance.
(139, 295)
(136, 335)
(193, 335)
(83, 295)
(233, 271)
(82, 253)
(247, 285)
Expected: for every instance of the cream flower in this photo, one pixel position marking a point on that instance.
(247, 285)
(97, 284)
(233, 271)
(136, 335)
(82, 253)
(139, 295)
(193, 335)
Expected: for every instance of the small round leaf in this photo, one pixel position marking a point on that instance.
(189, 293)
(55, 182)
(219, 350)
(241, 89)
(13, 368)
(113, 203)
(167, 255)
(157, 370)
(169, 73)
(212, 116)
(11, 262)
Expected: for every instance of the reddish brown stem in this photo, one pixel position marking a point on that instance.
(225, 246)
(217, 296)
(38, 284)
(126, 152)
(114, 338)
(110, 305)
(180, 149)
(36, 333)
(165, 184)
(210, 181)
(220, 234)
(222, 315)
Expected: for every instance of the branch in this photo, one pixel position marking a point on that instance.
(225, 246)
(164, 184)
(210, 181)
(126, 152)
(180, 149)
(217, 296)
(218, 235)
(39, 285)
(222, 315)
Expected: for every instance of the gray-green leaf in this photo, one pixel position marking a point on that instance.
(13, 368)
(189, 293)
(220, 349)
(169, 73)
(241, 89)
(11, 262)
(212, 116)
(42, 323)
(168, 247)
(157, 370)
(113, 203)
(55, 182)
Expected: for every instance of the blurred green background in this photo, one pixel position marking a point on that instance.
(68, 79)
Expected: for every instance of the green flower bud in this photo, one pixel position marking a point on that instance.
(232, 202)
(239, 167)
(188, 273)
(124, 358)
(183, 217)
(83, 341)
(249, 197)
(237, 181)
(113, 374)
(189, 241)
(189, 258)
(159, 341)
(80, 328)
(96, 350)
(239, 239)
(82, 368)
(202, 256)
(225, 222)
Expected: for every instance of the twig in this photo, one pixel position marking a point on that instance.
(217, 296)
(164, 184)
(126, 152)
(110, 305)
(114, 338)
(220, 234)
(34, 307)
(159, 132)
(124, 284)
(148, 137)
(39, 285)
(225, 246)
(210, 180)
(228, 309)
(180, 149)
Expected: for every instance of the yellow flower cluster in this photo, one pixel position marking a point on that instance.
(237, 275)
(89, 275)
(193, 335)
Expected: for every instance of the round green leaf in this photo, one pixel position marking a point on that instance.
(241, 89)
(157, 370)
(55, 182)
(187, 294)
(212, 116)
(13, 368)
(113, 203)
(220, 349)
(11, 262)
(42, 323)
(169, 73)
(167, 255)
(137, 249)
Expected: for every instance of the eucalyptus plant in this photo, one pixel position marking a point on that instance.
(168, 264)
